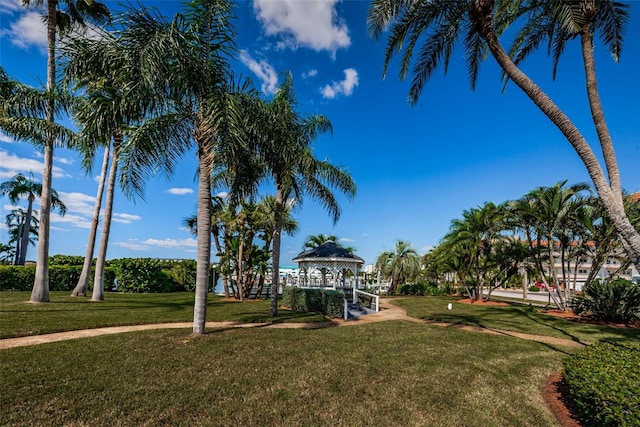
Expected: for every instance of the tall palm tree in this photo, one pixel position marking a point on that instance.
(186, 61)
(285, 148)
(438, 25)
(16, 222)
(401, 264)
(20, 186)
(111, 110)
(62, 20)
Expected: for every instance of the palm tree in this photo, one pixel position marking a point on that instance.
(186, 61)
(57, 20)
(20, 186)
(110, 111)
(16, 223)
(285, 147)
(474, 238)
(400, 265)
(439, 24)
(315, 240)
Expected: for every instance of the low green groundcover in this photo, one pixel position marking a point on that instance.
(603, 382)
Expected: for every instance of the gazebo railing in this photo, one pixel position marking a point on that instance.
(375, 297)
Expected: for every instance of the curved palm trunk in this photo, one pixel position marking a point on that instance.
(83, 281)
(40, 292)
(614, 208)
(98, 278)
(277, 233)
(204, 239)
(26, 230)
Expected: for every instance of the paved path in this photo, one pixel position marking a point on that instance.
(388, 311)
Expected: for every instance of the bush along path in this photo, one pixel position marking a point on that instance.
(388, 311)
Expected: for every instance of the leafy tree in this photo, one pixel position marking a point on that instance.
(185, 61)
(284, 145)
(399, 265)
(438, 25)
(16, 221)
(63, 21)
(20, 186)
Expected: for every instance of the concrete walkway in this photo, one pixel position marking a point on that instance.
(388, 311)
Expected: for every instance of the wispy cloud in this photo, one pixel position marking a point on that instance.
(311, 73)
(180, 191)
(263, 70)
(11, 164)
(148, 244)
(27, 31)
(6, 139)
(10, 6)
(344, 87)
(311, 24)
(125, 218)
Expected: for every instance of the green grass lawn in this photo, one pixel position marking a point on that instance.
(515, 317)
(391, 373)
(18, 317)
(386, 374)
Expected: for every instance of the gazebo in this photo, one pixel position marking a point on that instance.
(328, 258)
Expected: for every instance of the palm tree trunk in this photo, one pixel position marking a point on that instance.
(16, 257)
(83, 281)
(597, 113)
(615, 210)
(277, 232)
(204, 238)
(98, 278)
(26, 230)
(40, 292)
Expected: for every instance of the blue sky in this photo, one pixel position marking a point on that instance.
(416, 168)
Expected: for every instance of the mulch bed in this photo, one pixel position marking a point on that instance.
(554, 394)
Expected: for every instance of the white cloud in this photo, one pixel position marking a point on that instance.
(344, 87)
(263, 70)
(133, 244)
(71, 219)
(124, 218)
(5, 138)
(172, 243)
(78, 202)
(29, 30)
(145, 245)
(10, 6)
(347, 240)
(180, 191)
(312, 24)
(10, 165)
(311, 73)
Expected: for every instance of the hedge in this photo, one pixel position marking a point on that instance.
(603, 383)
(125, 275)
(328, 302)
(61, 277)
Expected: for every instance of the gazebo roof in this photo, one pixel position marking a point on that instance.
(328, 251)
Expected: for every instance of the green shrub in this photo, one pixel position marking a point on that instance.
(326, 302)
(420, 289)
(64, 277)
(533, 288)
(144, 275)
(66, 260)
(603, 383)
(616, 301)
(17, 277)
(365, 300)
(333, 303)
